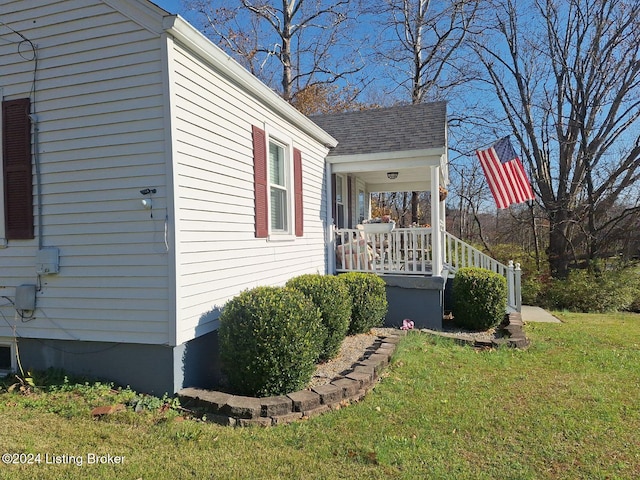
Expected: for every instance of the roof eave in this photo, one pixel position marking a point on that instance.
(180, 29)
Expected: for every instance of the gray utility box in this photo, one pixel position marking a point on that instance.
(25, 297)
(47, 261)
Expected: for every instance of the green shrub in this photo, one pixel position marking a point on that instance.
(594, 290)
(332, 298)
(534, 289)
(479, 298)
(270, 338)
(368, 301)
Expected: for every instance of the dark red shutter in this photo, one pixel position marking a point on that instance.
(16, 164)
(297, 189)
(260, 182)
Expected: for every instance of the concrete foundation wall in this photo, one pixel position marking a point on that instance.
(417, 298)
(153, 369)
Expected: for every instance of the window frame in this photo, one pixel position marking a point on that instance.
(6, 342)
(362, 205)
(342, 179)
(285, 142)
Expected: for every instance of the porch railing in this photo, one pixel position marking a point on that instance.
(408, 251)
(460, 254)
(400, 251)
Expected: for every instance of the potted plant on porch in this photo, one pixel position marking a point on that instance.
(382, 224)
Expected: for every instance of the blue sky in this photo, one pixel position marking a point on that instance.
(172, 6)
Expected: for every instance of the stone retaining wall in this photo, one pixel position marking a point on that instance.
(235, 410)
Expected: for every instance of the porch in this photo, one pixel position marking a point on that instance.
(410, 252)
(397, 149)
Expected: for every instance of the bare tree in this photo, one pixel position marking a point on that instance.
(419, 44)
(566, 75)
(292, 45)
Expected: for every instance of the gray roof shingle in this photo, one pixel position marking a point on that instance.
(399, 128)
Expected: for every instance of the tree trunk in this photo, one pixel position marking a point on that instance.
(559, 250)
(414, 207)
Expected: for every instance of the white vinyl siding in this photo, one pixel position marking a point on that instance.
(219, 255)
(99, 106)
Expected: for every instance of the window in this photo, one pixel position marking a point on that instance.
(7, 358)
(361, 206)
(278, 186)
(340, 201)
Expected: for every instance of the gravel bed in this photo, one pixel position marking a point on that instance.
(353, 349)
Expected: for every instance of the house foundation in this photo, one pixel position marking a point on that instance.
(415, 297)
(153, 369)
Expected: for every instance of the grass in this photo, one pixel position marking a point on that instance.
(568, 407)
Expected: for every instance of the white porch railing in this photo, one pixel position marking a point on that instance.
(401, 251)
(460, 254)
(405, 251)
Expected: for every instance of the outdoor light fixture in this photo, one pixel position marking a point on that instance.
(392, 175)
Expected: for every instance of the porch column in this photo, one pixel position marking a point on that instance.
(443, 229)
(329, 224)
(436, 236)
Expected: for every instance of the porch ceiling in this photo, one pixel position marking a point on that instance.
(413, 169)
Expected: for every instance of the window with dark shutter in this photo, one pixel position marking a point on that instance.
(277, 168)
(16, 169)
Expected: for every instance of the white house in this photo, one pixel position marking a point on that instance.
(147, 178)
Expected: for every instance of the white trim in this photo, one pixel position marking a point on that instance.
(211, 53)
(146, 14)
(391, 158)
(345, 200)
(417, 186)
(329, 230)
(3, 236)
(172, 198)
(436, 238)
(363, 166)
(286, 142)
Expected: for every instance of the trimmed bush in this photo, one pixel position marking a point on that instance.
(270, 338)
(368, 301)
(479, 298)
(332, 298)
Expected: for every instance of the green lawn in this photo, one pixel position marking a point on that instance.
(568, 407)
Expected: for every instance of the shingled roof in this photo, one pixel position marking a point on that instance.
(400, 128)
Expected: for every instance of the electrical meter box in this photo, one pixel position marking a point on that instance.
(47, 261)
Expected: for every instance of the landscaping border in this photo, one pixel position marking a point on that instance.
(234, 410)
(240, 411)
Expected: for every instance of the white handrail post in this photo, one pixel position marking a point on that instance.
(511, 284)
(518, 287)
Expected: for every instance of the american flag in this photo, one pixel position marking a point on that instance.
(505, 174)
